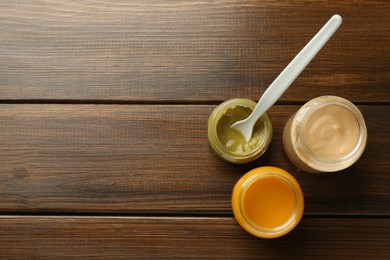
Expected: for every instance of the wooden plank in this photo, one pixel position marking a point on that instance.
(176, 238)
(141, 158)
(188, 50)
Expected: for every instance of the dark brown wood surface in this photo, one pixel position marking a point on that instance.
(149, 158)
(103, 113)
(188, 50)
(195, 238)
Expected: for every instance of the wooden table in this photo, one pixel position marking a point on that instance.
(103, 113)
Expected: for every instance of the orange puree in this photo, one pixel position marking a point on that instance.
(269, 202)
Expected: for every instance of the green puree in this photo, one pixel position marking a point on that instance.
(231, 138)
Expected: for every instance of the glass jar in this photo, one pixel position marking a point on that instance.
(228, 143)
(267, 202)
(327, 134)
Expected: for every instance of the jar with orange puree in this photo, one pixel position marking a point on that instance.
(228, 143)
(267, 202)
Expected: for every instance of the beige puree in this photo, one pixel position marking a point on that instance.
(331, 132)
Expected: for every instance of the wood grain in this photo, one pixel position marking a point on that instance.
(142, 159)
(188, 50)
(177, 238)
(103, 113)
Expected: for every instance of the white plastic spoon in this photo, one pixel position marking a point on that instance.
(288, 75)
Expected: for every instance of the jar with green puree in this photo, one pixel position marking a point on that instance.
(227, 142)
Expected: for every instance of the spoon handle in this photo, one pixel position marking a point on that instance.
(296, 66)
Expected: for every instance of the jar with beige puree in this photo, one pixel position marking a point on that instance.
(327, 134)
(228, 143)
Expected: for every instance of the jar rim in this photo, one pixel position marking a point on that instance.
(220, 149)
(238, 204)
